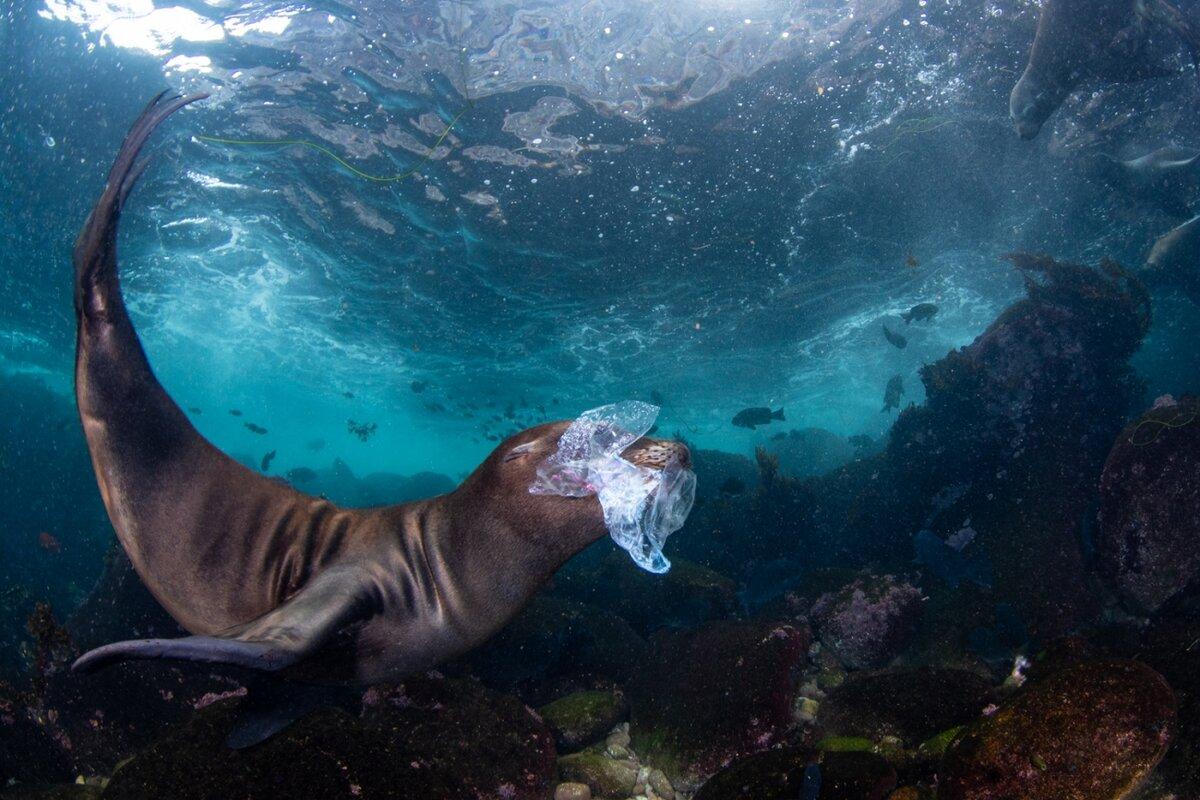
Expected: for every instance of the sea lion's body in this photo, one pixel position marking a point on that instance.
(1174, 260)
(267, 577)
(1081, 40)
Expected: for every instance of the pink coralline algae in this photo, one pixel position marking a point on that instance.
(869, 621)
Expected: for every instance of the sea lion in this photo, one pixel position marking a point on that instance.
(1167, 178)
(272, 579)
(1082, 40)
(1174, 261)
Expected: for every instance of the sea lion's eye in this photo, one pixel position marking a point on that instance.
(519, 450)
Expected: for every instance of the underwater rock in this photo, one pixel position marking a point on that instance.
(119, 607)
(581, 718)
(28, 751)
(604, 776)
(910, 704)
(1012, 436)
(869, 621)
(791, 773)
(427, 737)
(1150, 506)
(572, 791)
(1169, 646)
(552, 640)
(63, 791)
(708, 696)
(686, 596)
(1091, 731)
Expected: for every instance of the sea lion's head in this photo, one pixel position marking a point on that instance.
(563, 524)
(1031, 104)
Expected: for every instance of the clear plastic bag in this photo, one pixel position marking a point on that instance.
(642, 506)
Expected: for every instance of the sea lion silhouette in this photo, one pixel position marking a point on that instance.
(1082, 40)
(269, 578)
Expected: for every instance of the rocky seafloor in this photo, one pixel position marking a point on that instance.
(999, 604)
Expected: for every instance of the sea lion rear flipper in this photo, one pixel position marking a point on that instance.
(1186, 28)
(335, 598)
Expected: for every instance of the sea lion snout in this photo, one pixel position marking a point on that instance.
(658, 453)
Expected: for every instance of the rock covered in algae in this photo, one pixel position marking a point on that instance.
(868, 621)
(1150, 505)
(711, 695)
(1089, 731)
(912, 704)
(427, 737)
(581, 718)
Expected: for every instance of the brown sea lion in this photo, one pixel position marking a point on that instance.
(1090, 40)
(272, 579)
(1167, 178)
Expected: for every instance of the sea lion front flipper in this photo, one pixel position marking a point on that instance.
(335, 598)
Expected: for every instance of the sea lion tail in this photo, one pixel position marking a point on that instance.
(291, 632)
(95, 253)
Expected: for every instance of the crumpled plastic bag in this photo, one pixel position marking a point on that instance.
(642, 506)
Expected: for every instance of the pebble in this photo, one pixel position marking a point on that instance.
(572, 791)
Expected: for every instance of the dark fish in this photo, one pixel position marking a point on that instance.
(316, 444)
(233, 412)
(893, 393)
(753, 417)
(952, 566)
(363, 430)
(894, 339)
(732, 486)
(419, 386)
(49, 542)
(920, 312)
(436, 408)
(911, 262)
(259, 429)
(509, 411)
(348, 395)
(657, 398)
(266, 461)
(300, 475)
(779, 436)
(195, 410)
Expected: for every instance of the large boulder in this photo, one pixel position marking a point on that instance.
(1088, 731)
(582, 718)
(427, 737)
(868, 621)
(1149, 515)
(909, 704)
(686, 596)
(555, 643)
(709, 696)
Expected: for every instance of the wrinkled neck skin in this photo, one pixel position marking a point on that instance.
(498, 562)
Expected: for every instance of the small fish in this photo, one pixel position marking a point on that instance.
(300, 475)
(266, 461)
(657, 398)
(363, 430)
(894, 339)
(259, 429)
(779, 436)
(316, 445)
(920, 312)
(753, 417)
(49, 542)
(732, 486)
(195, 410)
(911, 262)
(893, 393)
(233, 412)
(436, 408)
(419, 386)
(348, 395)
